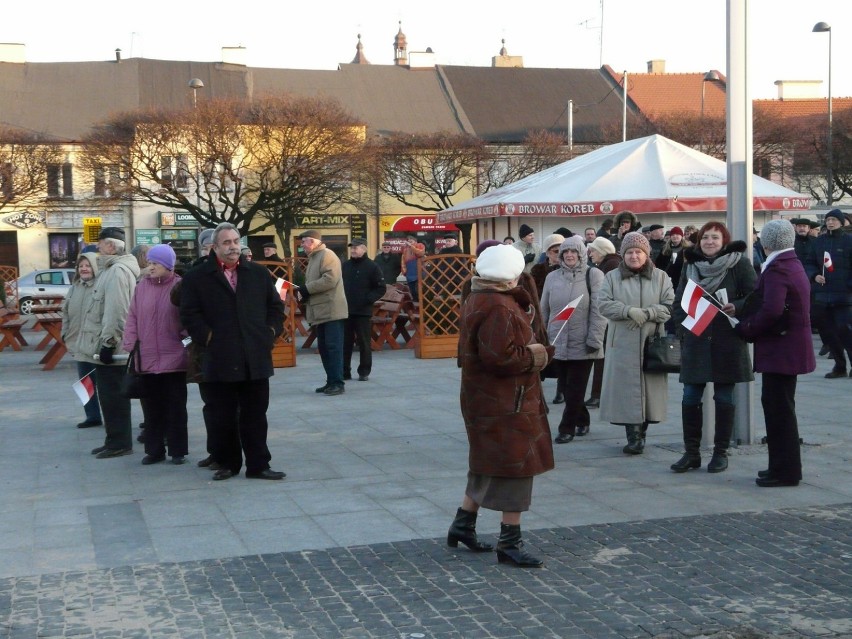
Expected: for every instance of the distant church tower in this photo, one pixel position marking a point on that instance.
(506, 60)
(360, 58)
(400, 48)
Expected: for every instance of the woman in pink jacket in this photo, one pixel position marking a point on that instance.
(154, 322)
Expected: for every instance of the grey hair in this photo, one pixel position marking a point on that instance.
(224, 226)
(118, 244)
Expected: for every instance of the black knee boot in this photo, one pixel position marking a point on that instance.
(510, 548)
(693, 420)
(724, 429)
(634, 445)
(463, 529)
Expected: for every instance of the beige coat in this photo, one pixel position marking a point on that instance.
(629, 395)
(324, 281)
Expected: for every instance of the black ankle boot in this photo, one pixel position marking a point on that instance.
(722, 439)
(463, 529)
(693, 420)
(634, 446)
(510, 548)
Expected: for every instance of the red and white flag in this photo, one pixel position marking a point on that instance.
(827, 264)
(85, 389)
(692, 293)
(705, 311)
(565, 314)
(283, 287)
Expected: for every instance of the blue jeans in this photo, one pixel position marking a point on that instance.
(92, 408)
(722, 394)
(330, 343)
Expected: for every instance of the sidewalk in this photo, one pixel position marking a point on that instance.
(373, 479)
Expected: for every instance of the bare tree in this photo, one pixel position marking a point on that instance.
(540, 150)
(24, 166)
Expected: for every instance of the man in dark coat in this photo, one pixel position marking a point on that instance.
(270, 253)
(230, 306)
(389, 262)
(364, 285)
(625, 222)
(803, 237)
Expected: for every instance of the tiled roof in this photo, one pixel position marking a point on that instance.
(802, 109)
(670, 93)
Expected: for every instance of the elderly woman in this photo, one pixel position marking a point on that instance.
(636, 298)
(153, 322)
(781, 355)
(502, 405)
(74, 308)
(580, 341)
(718, 354)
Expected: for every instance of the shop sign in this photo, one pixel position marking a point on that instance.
(25, 219)
(413, 223)
(322, 221)
(148, 237)
(170, 235)
(177, 218)
(358, 225)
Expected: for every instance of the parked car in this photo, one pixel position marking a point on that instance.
(54, 281)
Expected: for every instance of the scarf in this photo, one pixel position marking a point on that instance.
(709, 274)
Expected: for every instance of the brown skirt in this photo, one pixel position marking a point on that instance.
(506, 494)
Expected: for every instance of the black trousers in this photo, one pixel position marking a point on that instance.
(206, 397)
(574, 375)
(834, 325)
(237, 423)
(115, 407)
(356, 330)
(778, 398)
(165, 414)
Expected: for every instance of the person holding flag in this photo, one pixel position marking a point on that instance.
(636, 298)
(716, 279)
(575, 326)
(829, 267)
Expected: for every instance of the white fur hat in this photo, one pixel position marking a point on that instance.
(501, 263)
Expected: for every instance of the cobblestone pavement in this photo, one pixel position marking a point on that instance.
(784, 573)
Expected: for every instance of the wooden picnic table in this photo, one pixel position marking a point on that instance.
(47, 303)
(51, 323)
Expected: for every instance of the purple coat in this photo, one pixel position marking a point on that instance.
(155, 322)
(782, 282)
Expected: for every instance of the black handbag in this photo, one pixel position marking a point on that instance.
(662, 353)
(133, 385)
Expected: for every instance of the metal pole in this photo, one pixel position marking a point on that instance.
(701, 143)
(624, 109)
(830, 147)
(571, 127)
(740, 203)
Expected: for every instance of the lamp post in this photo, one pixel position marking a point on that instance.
(195, 84)
(710, 76)
(822, 27)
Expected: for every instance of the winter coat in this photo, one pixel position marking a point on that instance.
(782, 282)
(530, 252)
(103, 324)
(803, 247)
(324, 281)
(539, 273)
(630, 395)
(391, 264)
(838, 282)
(154, 320)
(671, 261)
(235, 328)
(410, 255)
(718, 354)
(501, 398)
(622, 217)
(363, 284)
(582, 337)
(609, 263)
(74, 309)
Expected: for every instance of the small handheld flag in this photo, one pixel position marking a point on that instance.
(85, 389)
(565, 314)
(703, 315)
(283, 287)
(827, 264)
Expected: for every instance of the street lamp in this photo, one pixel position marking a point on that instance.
(822, 27)
(710, 76)
(195, 84)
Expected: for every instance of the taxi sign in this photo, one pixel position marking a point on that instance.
(91, 229)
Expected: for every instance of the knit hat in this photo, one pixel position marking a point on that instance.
(501, 263)
(524, 231)
(777, 235)
(162, 254)
(484, 244)
(603, 246)
(115, 233)
(205, 237)
(552, 240)
(835, 213)
(676, 230)
(564, 232)
(635, 239)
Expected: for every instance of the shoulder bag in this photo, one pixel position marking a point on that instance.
(662, 353)
(133, 386)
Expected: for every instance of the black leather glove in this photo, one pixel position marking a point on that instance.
(106, 355)
(529, 257)
(303, 292)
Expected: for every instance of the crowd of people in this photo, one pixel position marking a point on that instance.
(577, 306)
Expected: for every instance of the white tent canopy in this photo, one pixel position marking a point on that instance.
(646, 175)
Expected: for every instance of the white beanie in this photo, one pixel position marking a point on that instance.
(501, 263)
(777, 235)
(552, 240)
(603, 246)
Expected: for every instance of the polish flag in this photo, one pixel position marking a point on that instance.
(827, 264)
(565, 314)
(283, 287)
(692, 294)
(704, 313)
(85, 389)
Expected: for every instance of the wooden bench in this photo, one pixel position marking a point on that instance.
(10, 329)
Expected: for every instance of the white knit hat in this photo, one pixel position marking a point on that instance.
(501, 263)
(777, 235)
(552, 240)
(603, 246)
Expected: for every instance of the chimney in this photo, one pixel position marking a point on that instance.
(12, 52)
(656, 66)
(118, 55)
(798, 89)
(234, 55)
